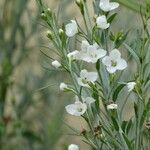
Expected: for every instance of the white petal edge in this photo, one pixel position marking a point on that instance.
(122, 64)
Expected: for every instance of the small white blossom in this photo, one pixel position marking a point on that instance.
(71, 28)
(130, 86)
(56, 64)
(73, 147)
(106, 5)
(114, 61)
(76, 109)
(63, 86)
(90, 53)
(87, 77)
(73, 55)
(101, 22)
(112, 106)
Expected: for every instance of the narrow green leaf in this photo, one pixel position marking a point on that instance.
(115, 123)
(112, 17)
(136, 110)
(127, 142)
(129, 126)
(123, 126)
(117, 91)
(133, 53)
(121, 40)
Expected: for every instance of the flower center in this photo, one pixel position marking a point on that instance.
(79, 109)
(94, 55)
(84, 80)
(113, 63)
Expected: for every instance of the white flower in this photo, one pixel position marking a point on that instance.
(84, 45)
(112, 106)
(90, 53)
(63, 86)
(101, 22)
(71, 28)
(73, 55)
(76, 109)
(130, 86)
(73, 147)
(56, 64)
(88, 100)
(87, 77)
(114, 61)
(106, 5)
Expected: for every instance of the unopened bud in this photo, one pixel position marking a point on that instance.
(56, 64)
(63, 87)
(43, 16)
(80, 5)
(49, 34)
(78, 2)
(49, 12)
(61, 32)
(95, 17)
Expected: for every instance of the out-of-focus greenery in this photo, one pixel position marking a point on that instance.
(30, 116)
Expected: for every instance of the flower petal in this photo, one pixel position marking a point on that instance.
(73, 147)
(80, 82)
(130, 86)
(101, 53)
(92, 47)
(101, 22)
(71, 109)
(92, 76)
(111, 69)
(76, 109)
(73, 55)
(104, 5)
(115, 54)
(112, 106)
(84, 56)
(83, 73)
(114, 5)
(84, 45)
(71, 28)
(121, 64)
(106, 61)
(88, 100)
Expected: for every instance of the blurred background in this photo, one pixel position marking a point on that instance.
(32, 115)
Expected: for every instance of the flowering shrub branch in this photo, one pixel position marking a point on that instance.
(102, 93)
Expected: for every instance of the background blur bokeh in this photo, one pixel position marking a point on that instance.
(32, 115)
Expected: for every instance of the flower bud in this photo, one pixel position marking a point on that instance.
(49, 12)
(73, 55)
(43, 16)
(73, 147)
(78, 2)
(80, 5)
(56, 64)
(61, 32)
(112, 106)
(63, 86)
(49, 34)
(130, 86)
